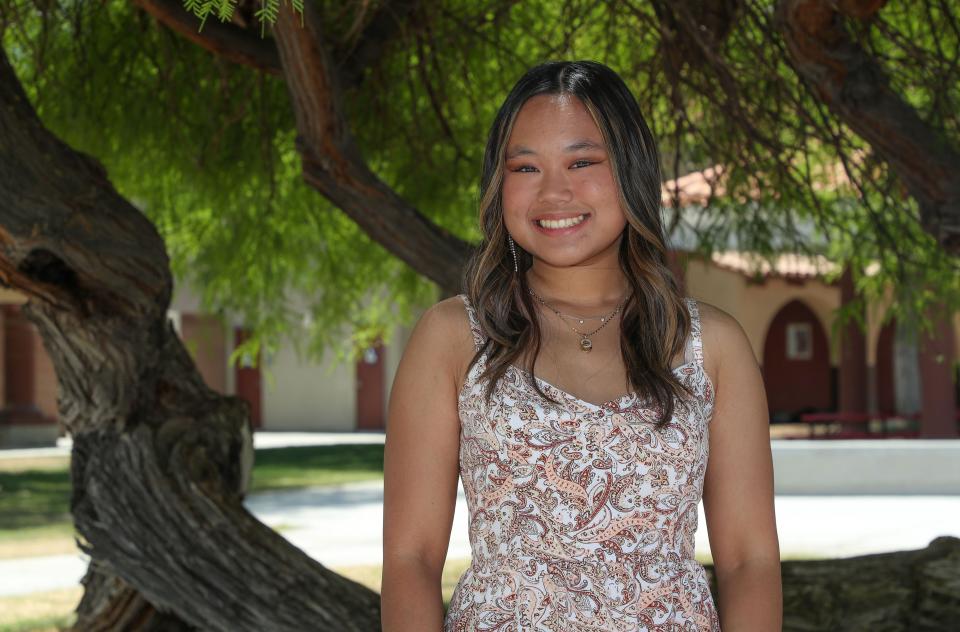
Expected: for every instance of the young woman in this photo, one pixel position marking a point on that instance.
(578, 396)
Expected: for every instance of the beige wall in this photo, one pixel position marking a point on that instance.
(46, 387)
(298, 395)
(204, 337)
(755, 305)
(875, 314)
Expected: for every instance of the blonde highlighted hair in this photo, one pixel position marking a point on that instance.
(654, 322)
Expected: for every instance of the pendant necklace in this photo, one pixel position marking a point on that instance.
(585, 343)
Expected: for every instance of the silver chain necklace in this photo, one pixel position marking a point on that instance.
(585, 343)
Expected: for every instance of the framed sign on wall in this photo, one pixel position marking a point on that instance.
(799, 341)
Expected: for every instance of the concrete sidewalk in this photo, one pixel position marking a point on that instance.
(262, 440)
(342, 526)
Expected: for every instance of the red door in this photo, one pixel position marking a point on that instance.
(370, 389)
(18, 359)
(796, 363)
(247, 374)
(24, 372)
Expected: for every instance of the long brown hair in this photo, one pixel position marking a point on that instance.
(655, 321)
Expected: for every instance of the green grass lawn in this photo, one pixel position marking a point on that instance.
(35, 497)
(308, 466)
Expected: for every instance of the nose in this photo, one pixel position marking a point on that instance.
(554, 187)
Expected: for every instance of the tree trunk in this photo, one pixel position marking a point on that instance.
(160, 462)
(906, 591)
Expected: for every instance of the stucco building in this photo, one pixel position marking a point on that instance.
(786, 309)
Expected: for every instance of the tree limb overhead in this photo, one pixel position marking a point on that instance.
(245, 46)
(333, 165)
(854, 85)
(227, 40)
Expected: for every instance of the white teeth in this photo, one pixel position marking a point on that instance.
(561, 223)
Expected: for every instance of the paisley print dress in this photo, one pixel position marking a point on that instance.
(582, 516)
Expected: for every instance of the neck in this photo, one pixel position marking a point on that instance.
(583, 289)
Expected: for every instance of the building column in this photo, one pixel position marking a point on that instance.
(936, 354)
(853, 355)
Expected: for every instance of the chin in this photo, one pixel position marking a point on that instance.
(568, 260)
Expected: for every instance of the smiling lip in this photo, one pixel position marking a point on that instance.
(560, 231)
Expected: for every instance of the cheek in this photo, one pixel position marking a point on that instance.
(600, 187)
(514, 193)
(517, 198)
(600, 192)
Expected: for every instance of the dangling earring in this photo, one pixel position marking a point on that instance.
(514, 251)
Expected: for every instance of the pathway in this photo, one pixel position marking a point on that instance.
(342, 526)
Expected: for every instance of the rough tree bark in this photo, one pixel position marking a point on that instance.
(905, 591)
(160, 462)
(856, 88)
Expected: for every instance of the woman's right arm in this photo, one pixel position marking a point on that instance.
(421, 468)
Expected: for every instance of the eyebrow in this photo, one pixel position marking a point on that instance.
(523, 150)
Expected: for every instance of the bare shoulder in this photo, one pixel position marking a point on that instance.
(443, 331)
(450, 320)
(724, 340)
(716, 320)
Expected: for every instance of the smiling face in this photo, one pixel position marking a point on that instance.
(557, 170)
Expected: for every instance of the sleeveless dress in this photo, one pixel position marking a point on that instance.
(582, 516)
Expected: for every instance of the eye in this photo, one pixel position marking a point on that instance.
(584, 163)
(522, 169)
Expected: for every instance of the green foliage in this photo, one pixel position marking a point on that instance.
(223, 9)
(206, 147)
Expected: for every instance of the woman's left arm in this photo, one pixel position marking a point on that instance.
(738, 485)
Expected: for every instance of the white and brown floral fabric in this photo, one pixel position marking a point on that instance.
(582, 516)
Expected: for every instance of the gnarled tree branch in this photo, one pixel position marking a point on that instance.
(245, 46)
(856, 88)
(160, 462)
(227, 40)
(332, 163)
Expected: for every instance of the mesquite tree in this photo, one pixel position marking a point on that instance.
(335, 154)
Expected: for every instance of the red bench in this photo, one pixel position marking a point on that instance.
(856, 425)
(852, 425)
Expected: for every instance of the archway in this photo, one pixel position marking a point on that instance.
(796, 363)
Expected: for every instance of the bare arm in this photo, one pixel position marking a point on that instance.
(421, 468)
(738, 488)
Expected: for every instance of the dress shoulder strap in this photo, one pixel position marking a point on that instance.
(478, 338)
(695, 345)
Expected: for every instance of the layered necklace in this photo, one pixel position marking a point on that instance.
(585, 343)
